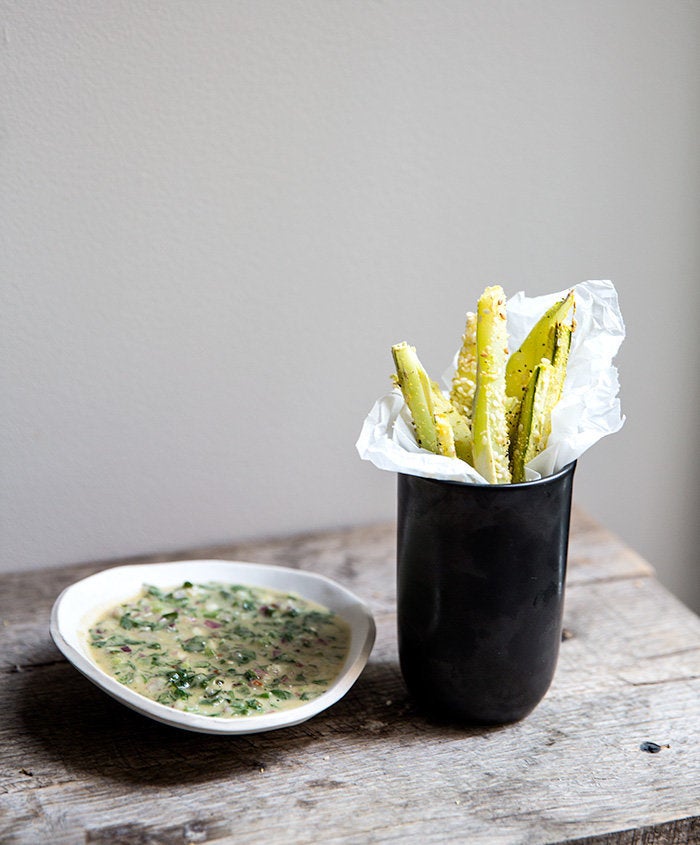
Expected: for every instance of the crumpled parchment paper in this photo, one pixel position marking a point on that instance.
(588, 409)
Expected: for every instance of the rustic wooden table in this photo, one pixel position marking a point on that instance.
(76, 767)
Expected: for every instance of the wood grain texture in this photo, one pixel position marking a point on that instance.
(682, 832)
(76, 767)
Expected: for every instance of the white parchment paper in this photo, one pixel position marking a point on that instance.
(588, 409)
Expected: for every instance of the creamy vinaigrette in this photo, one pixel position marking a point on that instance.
(223, 650)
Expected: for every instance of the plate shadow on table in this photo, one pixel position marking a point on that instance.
(85, 731)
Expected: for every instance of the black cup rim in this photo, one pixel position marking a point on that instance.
(522, 485)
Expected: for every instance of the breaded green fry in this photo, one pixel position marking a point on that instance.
(560, 359)
(417, 393)
(445, 435)
(537, 345)
(464, 378)
(460, 427)
(489, 427)
(530, 436)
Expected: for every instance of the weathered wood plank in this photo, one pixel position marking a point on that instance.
(596, 554)
(75, 766)
(683, 832)
(361, 558)
(366, 771)
(351, 554)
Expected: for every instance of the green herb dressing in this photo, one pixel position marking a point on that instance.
(223, 650)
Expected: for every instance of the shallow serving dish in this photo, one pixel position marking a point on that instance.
(80, 605)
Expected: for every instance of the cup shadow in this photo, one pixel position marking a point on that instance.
(87, 732)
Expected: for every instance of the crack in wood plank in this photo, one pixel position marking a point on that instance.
(682, 832)
(678, 680)
(606, 579)
(187, 833)
(29, 667)
(688, 650)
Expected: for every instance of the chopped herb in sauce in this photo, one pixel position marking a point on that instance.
(221, 649)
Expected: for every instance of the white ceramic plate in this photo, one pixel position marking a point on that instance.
(79, 606)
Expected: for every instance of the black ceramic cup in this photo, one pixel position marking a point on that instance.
(481, 572)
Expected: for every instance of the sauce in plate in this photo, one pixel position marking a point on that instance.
(220, 649)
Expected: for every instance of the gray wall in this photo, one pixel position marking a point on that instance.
(217, 217)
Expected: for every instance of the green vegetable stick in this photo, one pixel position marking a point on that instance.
(445, 435)
(537, 345)
(464, 379)
(530, 437)
(461, 430)
(513, 407)
(417, 393)
(560, 359)
(489, 427)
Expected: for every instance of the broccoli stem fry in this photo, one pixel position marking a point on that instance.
(445, 435)
(489, 427)
(417, 393)
(537, 345)
(464, 378)
(531, 434)
(560, 359)
(461, 430)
